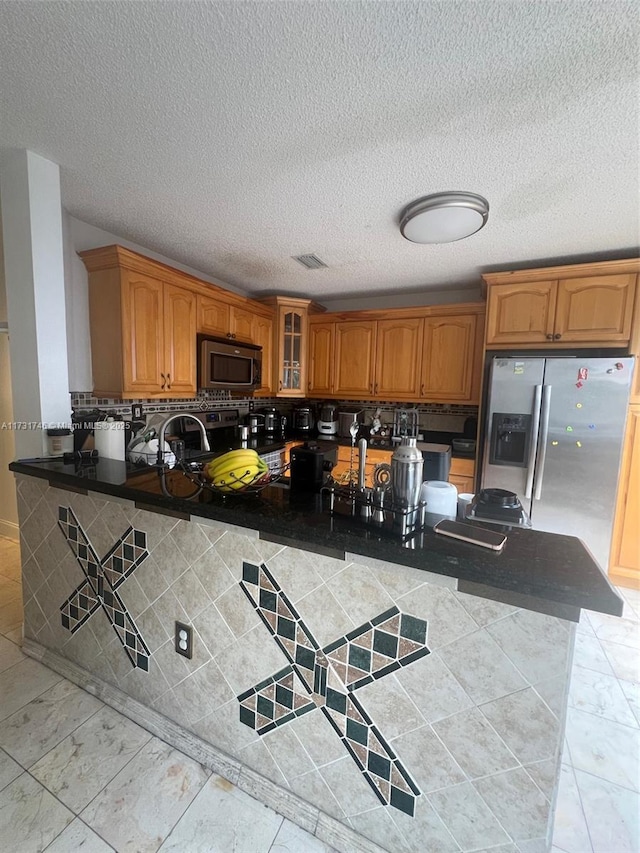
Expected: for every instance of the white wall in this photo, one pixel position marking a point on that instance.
(8, 506)
(79, 236)
(34, 279)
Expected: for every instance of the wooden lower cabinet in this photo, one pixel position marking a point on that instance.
(344, 472)
(462, 475)
(346, 469)
(624, 562)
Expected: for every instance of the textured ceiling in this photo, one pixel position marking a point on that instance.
(230, 136)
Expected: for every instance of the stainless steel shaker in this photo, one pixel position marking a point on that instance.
(406, 474)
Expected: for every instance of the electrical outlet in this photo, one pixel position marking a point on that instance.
(136, 411)
(184, 639)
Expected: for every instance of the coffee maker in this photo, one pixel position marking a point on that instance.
(303, 421)
(328, 419)
(311, 465)
(272, 420)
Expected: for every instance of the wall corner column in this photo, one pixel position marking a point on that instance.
(34, 272)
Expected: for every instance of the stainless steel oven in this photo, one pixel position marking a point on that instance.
(228, 366)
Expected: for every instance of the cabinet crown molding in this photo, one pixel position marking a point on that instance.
(117, 257)
(627, 265)
(293, 302)
(448, 310)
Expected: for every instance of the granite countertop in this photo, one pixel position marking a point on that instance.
(542, 571)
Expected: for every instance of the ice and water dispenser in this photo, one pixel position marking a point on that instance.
(510, 439)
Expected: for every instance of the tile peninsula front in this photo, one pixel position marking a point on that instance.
(371, 702)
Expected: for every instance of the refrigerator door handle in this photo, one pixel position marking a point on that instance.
(544, 434)
(533, 440)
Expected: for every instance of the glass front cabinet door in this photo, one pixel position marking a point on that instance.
(291, 344)
(291, 366)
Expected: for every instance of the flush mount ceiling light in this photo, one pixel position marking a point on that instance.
(444, 217)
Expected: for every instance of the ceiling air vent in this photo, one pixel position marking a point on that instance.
(311, 262)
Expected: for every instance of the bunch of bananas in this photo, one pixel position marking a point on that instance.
(235, 470)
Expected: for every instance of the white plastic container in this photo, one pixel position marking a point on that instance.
(464, 502)
(109, 439)
(440, 497)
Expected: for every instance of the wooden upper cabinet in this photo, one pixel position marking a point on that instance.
(595, 308)
(580, 304)
(634, 349)
(355, 351)
(157, 333)
(143, 334)
(291, 343)
(213, 316)
(448, 356)
(144, 317)
(263, 337)
(521, 313)
(241, 323)
(179, 340)
(321, 358)
(397, 365)
(435, 357)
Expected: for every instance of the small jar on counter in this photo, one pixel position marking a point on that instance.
(59, 441)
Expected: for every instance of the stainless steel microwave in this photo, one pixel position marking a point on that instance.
(223, 365)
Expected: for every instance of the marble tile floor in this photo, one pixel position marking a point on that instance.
(75, 774)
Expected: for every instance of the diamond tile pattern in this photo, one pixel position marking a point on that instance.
(327, 678)
(102, 577)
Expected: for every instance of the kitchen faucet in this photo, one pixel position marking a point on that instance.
(163, 430)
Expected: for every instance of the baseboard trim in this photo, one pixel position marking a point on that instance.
(298, 811)
(9, 529)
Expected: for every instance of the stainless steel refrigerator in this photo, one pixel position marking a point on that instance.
(553, 435)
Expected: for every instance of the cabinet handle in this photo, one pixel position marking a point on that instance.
(557, 336)
(422, 390)
(168, 380)
(549, 337)
(233, 335)
(229, 335)
(376, 388)
(164, 381)
(281, 384)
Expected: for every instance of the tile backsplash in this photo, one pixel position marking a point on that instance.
(432, 416)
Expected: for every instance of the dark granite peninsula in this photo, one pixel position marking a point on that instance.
(383, 695)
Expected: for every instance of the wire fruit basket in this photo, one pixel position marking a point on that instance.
(236, 482)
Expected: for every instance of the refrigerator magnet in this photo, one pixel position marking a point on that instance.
(583, 374)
